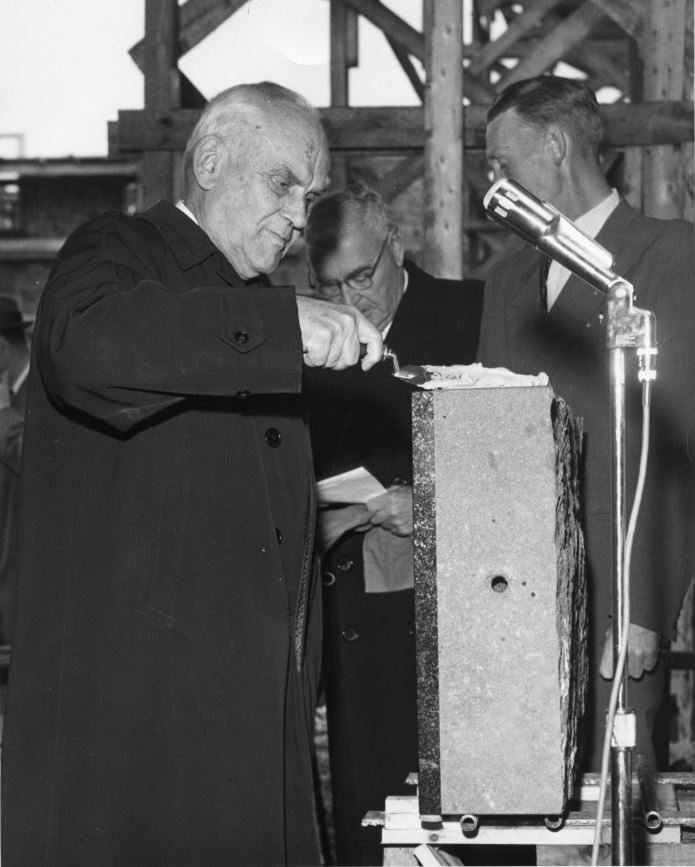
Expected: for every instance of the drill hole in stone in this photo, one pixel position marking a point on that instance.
(499, 583)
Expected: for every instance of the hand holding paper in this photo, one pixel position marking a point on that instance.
(393, 510)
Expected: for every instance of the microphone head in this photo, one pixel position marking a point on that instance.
(518, 210)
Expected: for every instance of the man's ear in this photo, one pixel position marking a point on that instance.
(556, 144)
(207, 161)
(397, 247)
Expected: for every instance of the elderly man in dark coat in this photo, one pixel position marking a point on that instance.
(166, 649)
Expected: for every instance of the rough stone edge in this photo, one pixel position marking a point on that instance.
(571, 584)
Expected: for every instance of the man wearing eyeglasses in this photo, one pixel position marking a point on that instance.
(356, 257)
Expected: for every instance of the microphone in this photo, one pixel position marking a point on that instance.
(542, 226)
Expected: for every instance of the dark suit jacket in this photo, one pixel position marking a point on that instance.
(358, 418)
(369, 639)
(569, 345)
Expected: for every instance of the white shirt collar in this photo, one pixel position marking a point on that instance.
(590, 224)
(181, 205)
(21, 379)
(406, 277)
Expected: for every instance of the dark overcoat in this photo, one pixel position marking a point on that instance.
(569, 344)
(11, 434)
(369, 638)
(163, 677)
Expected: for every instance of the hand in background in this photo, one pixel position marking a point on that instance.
(393, 510)
(642, 652)
(332, 334)
(333, 523)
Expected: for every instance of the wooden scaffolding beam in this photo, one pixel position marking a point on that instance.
(443, 217)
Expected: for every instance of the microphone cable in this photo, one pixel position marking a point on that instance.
(622, 656)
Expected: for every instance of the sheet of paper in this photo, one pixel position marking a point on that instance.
(354, 486)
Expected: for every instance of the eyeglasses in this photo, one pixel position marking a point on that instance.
(358, 281)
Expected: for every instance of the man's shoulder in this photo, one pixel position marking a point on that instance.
(443, 285)
(640, 228)
(160, 231)
(520, 258)
(113, 226)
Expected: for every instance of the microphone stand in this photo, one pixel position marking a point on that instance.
(627, 327)
(542, 226)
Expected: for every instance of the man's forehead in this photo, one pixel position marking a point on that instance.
(296, 144)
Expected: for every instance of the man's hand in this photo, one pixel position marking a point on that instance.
(642, 651)
(332, 334)
(393, 510)
(334, 523)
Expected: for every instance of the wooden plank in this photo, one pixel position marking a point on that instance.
(160, 177)
(531, 19)
(338, 54)
(72, 167)
(443, 210)
(29, 249)
(575, 28)
(161, 55)
(392, 25)
(400, 130)
(399, 856)
(408, 67)
(601, 68)
(628, 14)
(408, 170)
(665, 173)
(198, 18)
(652, 854)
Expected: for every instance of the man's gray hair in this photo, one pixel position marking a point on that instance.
(341, 211)
(228, 114)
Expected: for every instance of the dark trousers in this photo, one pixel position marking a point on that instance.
(371, 702)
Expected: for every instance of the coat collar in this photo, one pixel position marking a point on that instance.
(188, 242)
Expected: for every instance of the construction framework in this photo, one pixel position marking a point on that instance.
(429, 158)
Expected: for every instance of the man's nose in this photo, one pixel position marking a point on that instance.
(348, 295)
(295, 210)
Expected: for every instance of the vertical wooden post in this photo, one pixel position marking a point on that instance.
(160, 169)
(443, 27)
(663, 50)
(343, 55)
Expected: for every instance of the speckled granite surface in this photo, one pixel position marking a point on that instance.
(499, 599)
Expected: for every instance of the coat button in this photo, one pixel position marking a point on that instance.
(345, 564)
(278, 534)
(241, 336)
(328, 579)
(243, 394)
(272, 437)
(350, 633)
